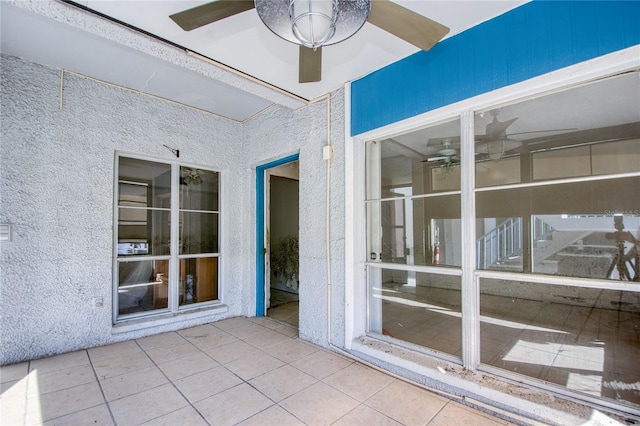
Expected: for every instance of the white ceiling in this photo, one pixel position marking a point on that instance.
(242, 42)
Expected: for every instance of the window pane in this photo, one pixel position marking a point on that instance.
(419, 308)
(198, 280)
(565, 229)
(142, 286)
(198, 189)
(199, 233)
(144, 183)
(581, 338)
(407, 231)
(416, 163)
(147, 230)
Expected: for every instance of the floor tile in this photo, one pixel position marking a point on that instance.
(116, 350)
(60, 362)
(62, 379)
(231, 323)
(231, 352)
(207, 383)
(457, 414)
(233, 405)
(170, 353)
(98, 416)
(272, 416)
(13, 402)
(319, 404)
(162, 340)
(147, 405)
(291, 350)
(282, 382)
(266, 339)
(254, 365)
(358, 381)
(11, 373)
(366, 416)
(187, 366)
(321, 364)
(406, 403)
(187, 416)
(116, 366)
(247, 330)
(60, 403)
(199, 331)
(129, 384)
(210, 341)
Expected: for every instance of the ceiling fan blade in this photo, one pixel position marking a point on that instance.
(406, 24)
(199, 16)
(310, 65)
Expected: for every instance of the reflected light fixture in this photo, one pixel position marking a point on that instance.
(495, 149)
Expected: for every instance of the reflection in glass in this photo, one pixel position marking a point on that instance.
(419, 308)
(581, 338)
(199, 233)
(142, 286)
(411, 229)
(144, 184)
(198, 189)
(198, 280)
(145, 237)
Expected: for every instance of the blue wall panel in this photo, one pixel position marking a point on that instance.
(533, 39)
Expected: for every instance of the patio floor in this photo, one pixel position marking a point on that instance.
(248, 371)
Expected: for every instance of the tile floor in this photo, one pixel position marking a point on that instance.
(238, 371)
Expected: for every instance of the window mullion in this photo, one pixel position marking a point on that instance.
(470, 294)
(175, 238)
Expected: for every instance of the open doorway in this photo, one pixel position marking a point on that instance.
(282, 281)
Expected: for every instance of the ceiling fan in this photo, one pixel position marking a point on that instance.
(192, 176)
(447, 156)
(315, 23)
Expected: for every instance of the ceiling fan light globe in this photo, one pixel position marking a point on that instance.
(495, 149)
(313, 22)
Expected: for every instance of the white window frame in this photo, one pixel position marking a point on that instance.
(355, 232)
(174, 257)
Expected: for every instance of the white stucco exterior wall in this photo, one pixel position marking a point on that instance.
(57, 192)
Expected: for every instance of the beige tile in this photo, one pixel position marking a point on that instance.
(184, 416)
(212, 341)
(192, 364)
(60, 403)
(233, 405)
(321, 364)
(199, 331)
(116, 366)
(407, 404)
(291, 350)
(147, 405)
(248, 329)
(161, 340)
(61, 379)
(358, 381)
(60, 362)
(207, 383)
(272, 416)
(282, 382)
(288, 330)
(170, 353)
(266, 322)
(254, 365)
(231, 352)
(366, 416)
(116, 350)
(457, 414)
(231, 323)
(98, 416)
(13, 402)
(266, 339)
(11, 373)
(319, 404)
(129, 384)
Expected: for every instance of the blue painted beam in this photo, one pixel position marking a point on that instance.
(531, 40)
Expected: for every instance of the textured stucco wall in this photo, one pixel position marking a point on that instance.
(57, 177)
(280, 132)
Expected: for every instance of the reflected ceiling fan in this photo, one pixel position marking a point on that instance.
(192, 176)
(315, 23)
(447, 156)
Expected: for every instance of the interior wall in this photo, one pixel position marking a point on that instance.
(57, 190)
(278, 133)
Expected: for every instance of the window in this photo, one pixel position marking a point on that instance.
(167, 237)
(555, 185)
